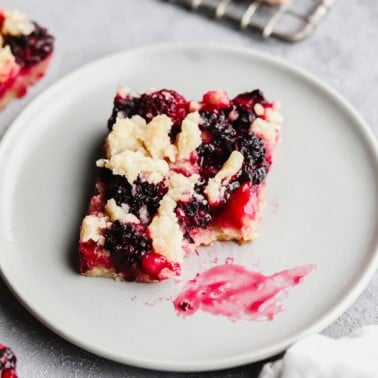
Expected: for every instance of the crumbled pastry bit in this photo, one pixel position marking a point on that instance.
(190, 136)
(8, 66)
(16, 24)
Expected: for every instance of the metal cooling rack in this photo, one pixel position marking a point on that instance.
(292, 21)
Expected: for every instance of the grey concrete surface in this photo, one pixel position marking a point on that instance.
(343, 52)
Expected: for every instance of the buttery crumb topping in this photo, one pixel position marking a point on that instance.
(217, 185)
(156, 139)
(91, 228)
(165, 232)
(268, 123)
(190, 136)
(134, 147)
(127, 134)
(164, 229)
(120, 213)
(17, 23)
(133, 163)
(268, 130)
(7, 63)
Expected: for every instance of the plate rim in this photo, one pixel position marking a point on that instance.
(369, 269)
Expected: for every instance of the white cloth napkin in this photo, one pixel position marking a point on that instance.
(317, 356)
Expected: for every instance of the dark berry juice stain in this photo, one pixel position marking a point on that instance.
(237, 293)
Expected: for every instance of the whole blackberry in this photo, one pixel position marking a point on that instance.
(140, 194)
(31, 49)
(118, 188)
(166, 102)
(255, 166)
(217, 125)
(221, 140)
(148, 195)
(126, 246)
(252, 148)
(244, 119)
(212, 156)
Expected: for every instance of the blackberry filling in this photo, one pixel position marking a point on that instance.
(194, 213)
(31, 49)
(211, 157)
(148, 195)
(247, 100)
(243, 106)
(166, 102)
(150, 105)
(126, 246)
(141, 194)
(255, 166)
(123, 108)
(116, 187)
(223, 139)
(217, 125)
(220, 136)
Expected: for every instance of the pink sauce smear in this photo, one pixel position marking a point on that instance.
(235, 292)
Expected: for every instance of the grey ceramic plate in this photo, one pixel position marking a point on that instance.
(321, 209)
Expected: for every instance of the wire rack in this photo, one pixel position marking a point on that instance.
(291, 21)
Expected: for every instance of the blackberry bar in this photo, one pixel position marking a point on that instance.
(25, 52)
(176, 174)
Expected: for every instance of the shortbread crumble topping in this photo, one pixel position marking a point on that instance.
(8, 66)
(16, 24)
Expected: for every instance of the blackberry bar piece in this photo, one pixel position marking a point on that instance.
(25, 52)
(174, 175)
(8, 362)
